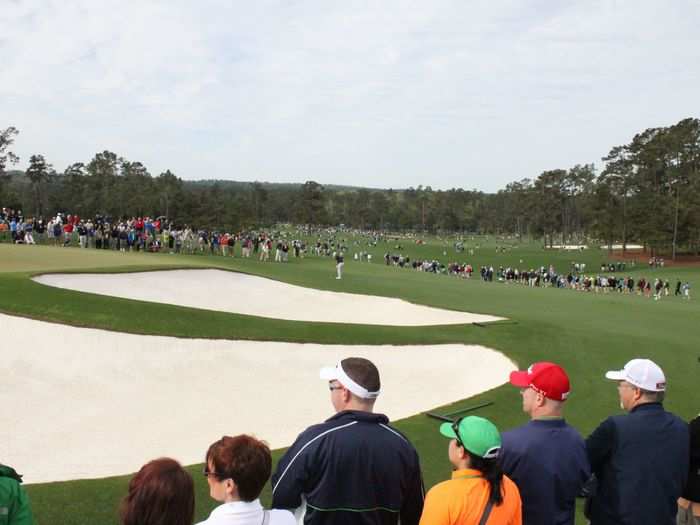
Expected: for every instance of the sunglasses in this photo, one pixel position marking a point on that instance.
(209, 473)
(455, 429)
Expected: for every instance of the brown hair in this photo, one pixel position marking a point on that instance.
(244, 459)
(161, 493)
(363, 372)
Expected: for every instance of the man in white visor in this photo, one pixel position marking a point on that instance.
(353, 468)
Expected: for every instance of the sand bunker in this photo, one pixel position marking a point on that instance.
(247, 294)
(92, 403)
(619, 247)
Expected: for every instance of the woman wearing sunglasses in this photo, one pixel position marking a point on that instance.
(478, 493)
(237, 469)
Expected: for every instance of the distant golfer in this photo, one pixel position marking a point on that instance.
(546, 457)
(339, 263)
(353, 468)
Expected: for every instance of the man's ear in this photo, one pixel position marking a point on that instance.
(541, 399)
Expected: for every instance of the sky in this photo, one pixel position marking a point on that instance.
(389, 94)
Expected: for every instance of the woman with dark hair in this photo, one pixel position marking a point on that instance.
(237, 469)
(161, 493)
(478, 493)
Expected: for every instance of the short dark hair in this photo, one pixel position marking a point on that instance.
(363, 372)
(246, 460)
(161, 493)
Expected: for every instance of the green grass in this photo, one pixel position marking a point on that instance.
(586, 333)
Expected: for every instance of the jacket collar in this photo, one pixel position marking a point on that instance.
(647, 406)
(358, 415)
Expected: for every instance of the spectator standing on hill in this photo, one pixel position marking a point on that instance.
(689, 502)
(14, 504)
(640, 459)
(546, 458)
(478, 492)
(354, 468)
(67, 233)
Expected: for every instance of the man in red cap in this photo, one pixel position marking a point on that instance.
(546, 457)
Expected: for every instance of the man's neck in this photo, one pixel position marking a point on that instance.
(360, 407)
(546, 413)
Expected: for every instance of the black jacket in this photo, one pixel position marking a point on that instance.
(352, 469)
(641, 462)
(692, 487)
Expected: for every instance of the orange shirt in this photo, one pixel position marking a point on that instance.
(462, 500)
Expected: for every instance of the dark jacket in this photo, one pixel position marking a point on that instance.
(641, 462)
(546, 459)
(692, 487)
(352, 469)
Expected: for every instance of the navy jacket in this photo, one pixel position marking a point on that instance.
(352, 469)
(546, 458)
(641, 462)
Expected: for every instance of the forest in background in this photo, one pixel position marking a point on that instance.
(647, 192)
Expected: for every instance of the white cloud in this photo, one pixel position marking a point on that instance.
(368, 93)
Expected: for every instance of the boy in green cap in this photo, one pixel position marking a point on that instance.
(478, 492)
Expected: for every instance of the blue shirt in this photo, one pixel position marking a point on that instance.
(546, 458)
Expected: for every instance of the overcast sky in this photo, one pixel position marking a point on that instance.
(470, 94)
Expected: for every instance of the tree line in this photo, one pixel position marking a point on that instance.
(648, 192)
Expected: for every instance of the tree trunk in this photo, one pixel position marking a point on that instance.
(675, 223)
(624, 223)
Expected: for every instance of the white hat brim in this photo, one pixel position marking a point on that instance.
(615, 375)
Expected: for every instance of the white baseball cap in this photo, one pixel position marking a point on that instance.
(642, 373)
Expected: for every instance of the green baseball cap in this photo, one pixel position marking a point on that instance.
(478, 435)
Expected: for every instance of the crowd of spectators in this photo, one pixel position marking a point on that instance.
(575, 278)
(642, 467)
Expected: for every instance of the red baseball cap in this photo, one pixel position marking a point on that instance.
(547, 378)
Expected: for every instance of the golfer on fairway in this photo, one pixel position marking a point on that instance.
(353, 468)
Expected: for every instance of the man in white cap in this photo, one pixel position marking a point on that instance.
(640, 459)
(353, 468)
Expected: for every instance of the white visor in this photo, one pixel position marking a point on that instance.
(336, 373)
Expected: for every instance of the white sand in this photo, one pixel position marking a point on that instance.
(83, 403)
(568, 247)
(251, 295)
(619, 247)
